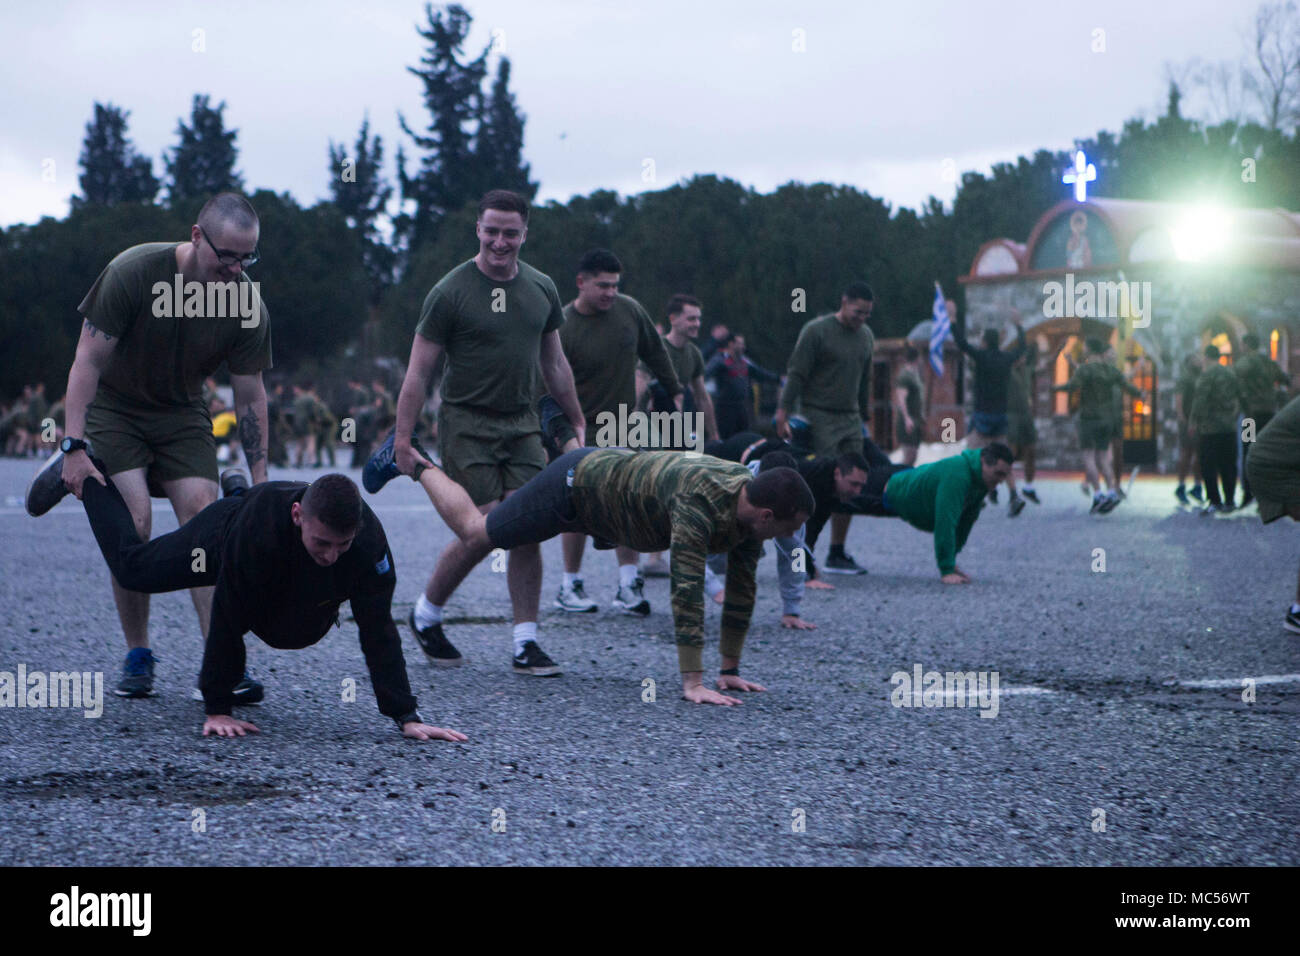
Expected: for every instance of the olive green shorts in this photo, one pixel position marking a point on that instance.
(1021, 431)
(170, 442)
(1096, 434)
(834, 433)
(489, 454)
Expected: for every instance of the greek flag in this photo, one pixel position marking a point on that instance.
(940, 326)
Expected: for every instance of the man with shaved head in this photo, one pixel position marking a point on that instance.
(160, 319)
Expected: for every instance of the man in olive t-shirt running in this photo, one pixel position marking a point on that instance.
(497, 319)
(159, 320)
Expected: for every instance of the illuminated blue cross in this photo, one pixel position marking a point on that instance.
(1083, 173)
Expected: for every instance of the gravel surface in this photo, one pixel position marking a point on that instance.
(1099, 711)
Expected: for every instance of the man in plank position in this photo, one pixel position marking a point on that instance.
(648, 501)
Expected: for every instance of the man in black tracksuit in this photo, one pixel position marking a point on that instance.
(990, 422)
(283, 556)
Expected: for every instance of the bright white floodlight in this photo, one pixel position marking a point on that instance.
(1201, 234)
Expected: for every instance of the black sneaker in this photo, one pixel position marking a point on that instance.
(137, 674)
(248, 690)
(533, 660)
(1097, 502)
(1015, 506)
(440, 651)
(1181, 494)
(381, 467)
(1109, 503)
(233, 482)
(47, 488)
(843, 564)
(631, 601)
(1292, 622)
(993, 495)
(1196, 493)
(1031, 495)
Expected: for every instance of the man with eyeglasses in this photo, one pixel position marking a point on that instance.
(134, 395)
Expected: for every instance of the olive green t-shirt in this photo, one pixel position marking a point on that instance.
(162, 356)
(687, 362)
(910, 382)
(603, 350)
(830, 368)
(492, 332)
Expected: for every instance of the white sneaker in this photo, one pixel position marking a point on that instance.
(631, 601)
(574, 600)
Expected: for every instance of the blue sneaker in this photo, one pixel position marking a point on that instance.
(381, 467)
(137, 674)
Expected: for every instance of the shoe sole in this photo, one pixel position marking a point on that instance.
(133, 694)
(445, 663)
(633, 611)
(577, 610)
(1293, 628)
(537, 671)
(844, 570)
(56, 458)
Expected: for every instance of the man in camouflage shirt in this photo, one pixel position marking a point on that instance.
(1214, 427)
(650, 501)
(1095, 381)
(1258, 378)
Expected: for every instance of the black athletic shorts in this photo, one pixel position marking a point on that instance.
(540, 509)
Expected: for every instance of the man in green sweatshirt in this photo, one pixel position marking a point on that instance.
(945, 497)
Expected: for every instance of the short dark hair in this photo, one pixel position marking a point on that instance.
(1250, 340)
(859, 290)
(996, 452)
(227, 208)
(1096, 346)
(503, 200)
(910, 353)
(852, 460)
(678, 302)
(597, 261)
(777, 459)
(991, 338)
(783, 491)
(335, 500)
(1212, 351)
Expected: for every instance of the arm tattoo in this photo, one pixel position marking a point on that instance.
(250, 436)
(93, 331)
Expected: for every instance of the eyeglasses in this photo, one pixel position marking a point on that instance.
(228, 258)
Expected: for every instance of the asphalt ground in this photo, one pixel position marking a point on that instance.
(1120, 703)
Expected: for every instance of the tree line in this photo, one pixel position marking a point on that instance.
(346, 275)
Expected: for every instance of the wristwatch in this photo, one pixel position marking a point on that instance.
(69, 445)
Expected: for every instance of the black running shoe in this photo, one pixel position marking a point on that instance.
(1097, 502)
(1109, 503)
(1181, 494)
(233, 482)
(440, 651)
(248, 690)
(533, 660)
(47, 488)
(1031, 495)
(137, 674)
(1292, 622)
(1196, 493)
(843, 564)
(1015, 506)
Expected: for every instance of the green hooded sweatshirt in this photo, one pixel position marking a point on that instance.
(943, 497)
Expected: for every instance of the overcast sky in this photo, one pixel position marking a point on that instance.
(882, 95)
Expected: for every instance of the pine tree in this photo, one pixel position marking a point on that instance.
(203, 161)
(448, 176)
(361, 192)
(499, 144)
(111, 170)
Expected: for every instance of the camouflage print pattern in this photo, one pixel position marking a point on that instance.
(1217, 402)
(672, 501)
(1257, 379)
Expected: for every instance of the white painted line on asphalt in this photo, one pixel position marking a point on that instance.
(1235, 682)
